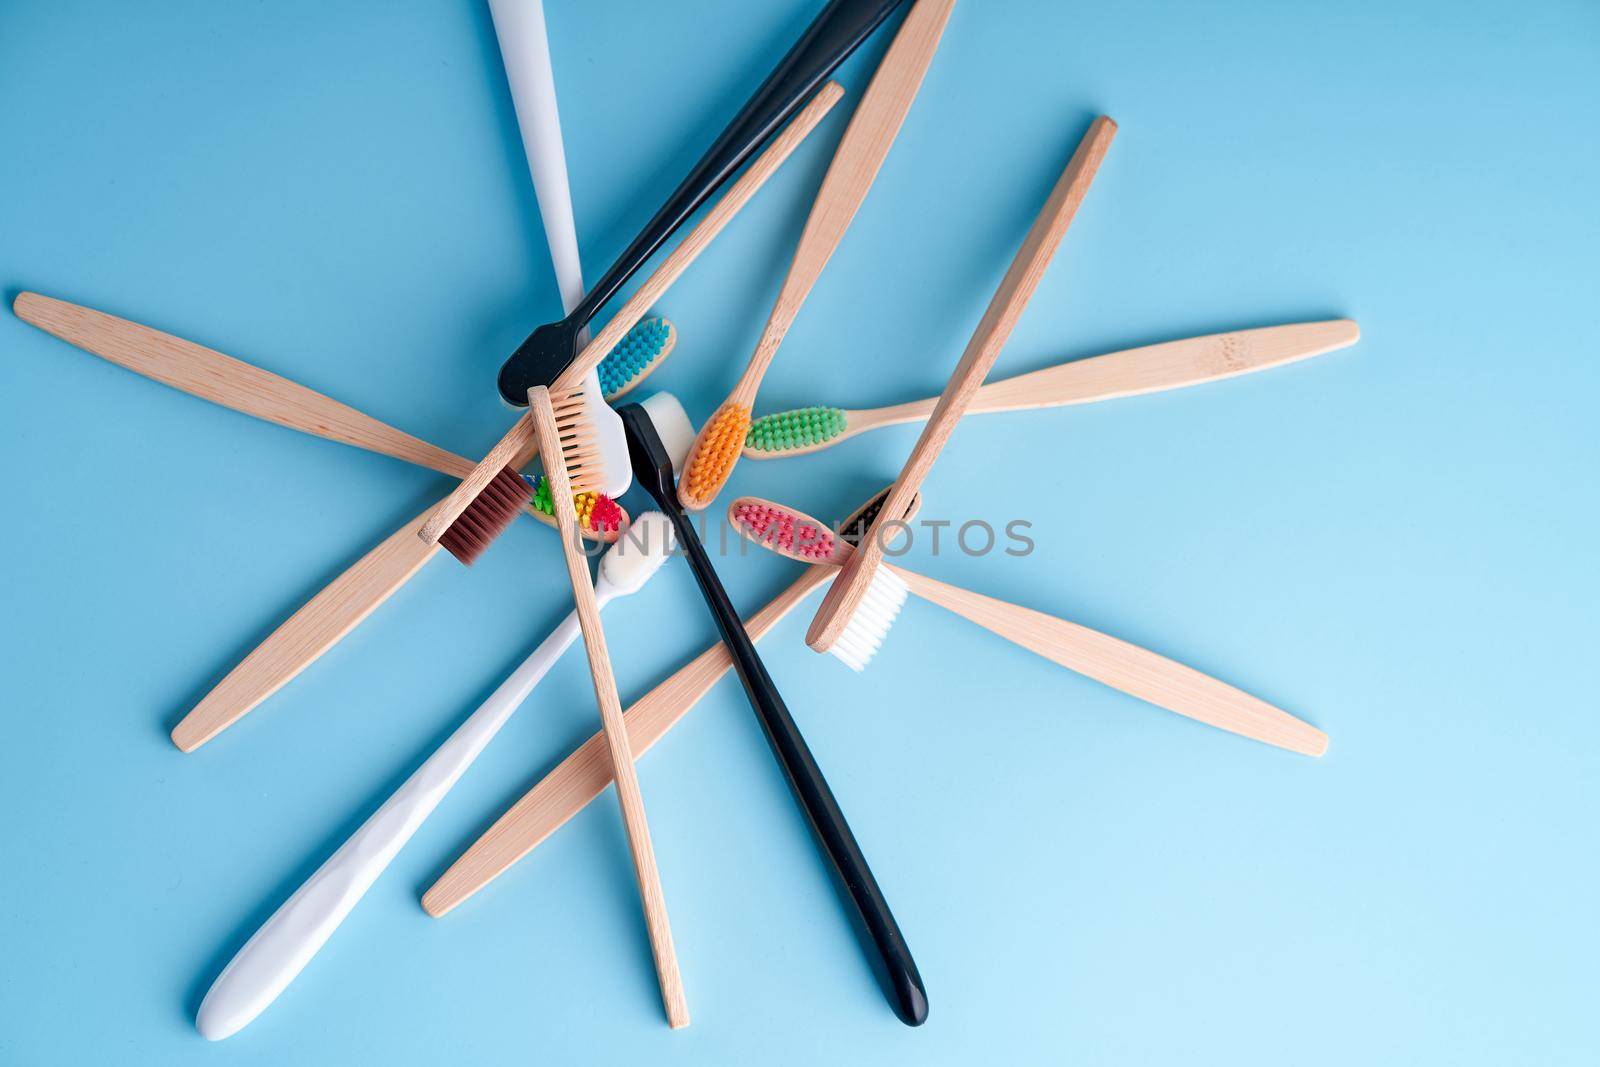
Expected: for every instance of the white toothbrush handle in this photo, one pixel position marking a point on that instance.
(271, 959)
(525, 50)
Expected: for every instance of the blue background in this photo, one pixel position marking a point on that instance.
(1396, 541)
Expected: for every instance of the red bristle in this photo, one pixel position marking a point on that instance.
(605, 515)
(487, 517)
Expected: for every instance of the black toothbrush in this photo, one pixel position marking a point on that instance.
(835, 33)
(652, 468)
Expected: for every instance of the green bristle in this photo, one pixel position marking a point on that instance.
(800, 428)
(541, 493)
(640, 347)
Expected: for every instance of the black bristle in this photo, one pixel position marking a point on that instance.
(487, 517)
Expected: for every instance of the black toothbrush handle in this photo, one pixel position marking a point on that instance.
(827, 42)
(909, 999)
(831, 37)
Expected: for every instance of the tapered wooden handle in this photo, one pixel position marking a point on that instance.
(614, 728)
(233, 383)
(1172, 365)
(856, 162)
(1018, 285)
(677, 261)
(585, 773)
(240, 386)
(1132, 669)
(307, 634)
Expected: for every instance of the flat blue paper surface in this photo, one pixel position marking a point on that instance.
(1396, 541)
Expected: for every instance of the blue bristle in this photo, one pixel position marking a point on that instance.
(635, 352)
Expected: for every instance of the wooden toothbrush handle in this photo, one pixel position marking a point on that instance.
(855, 165)
(1134, 670)
(1137, 371)
(307, 634)
(235, 384)
(616, 731)
(585, 773)
(1018, 285)
(1172, 365)
(739, 193)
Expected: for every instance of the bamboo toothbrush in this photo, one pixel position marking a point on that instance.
(556, 451)
(520, 437)
(334, 612)
(1133, 670)
(1134, 372)
(548, 352)
(585, 773)
(277, 952)
(652, 469)
(246, 388)
(860, 154)
(352, 596)
(1019, 283)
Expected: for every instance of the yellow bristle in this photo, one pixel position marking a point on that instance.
(716, 453)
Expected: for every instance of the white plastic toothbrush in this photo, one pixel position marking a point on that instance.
(525, 51)
(283, 946)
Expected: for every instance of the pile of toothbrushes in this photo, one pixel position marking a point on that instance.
(593, 445)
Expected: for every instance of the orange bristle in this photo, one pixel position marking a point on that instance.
(487, 517)
(715, 454)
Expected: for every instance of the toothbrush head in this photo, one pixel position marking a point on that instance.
(794, 534)
(788, 532)
(869, 624)
(715, 452)
(792, 432)
(652, 463)
(641, 350)
(597, 512)
(638, 553)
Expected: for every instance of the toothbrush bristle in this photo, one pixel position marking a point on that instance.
(715, 454)
(604, 514)
(487, 516)
(636, 355)
(789, 430)
(781, 528)
(596, 511)
(581, 453)
(862, 636)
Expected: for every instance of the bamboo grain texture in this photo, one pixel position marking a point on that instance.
(1020, 281)
(614, 729)
(1115, 375)
(676, 262)
(235, 384)
(306, 635)
(1133, 670)
(856, 162)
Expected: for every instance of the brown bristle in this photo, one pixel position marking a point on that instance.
(487, 517)
(855, 527)
(580, 448)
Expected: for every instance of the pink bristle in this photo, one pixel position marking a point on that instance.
(780, 528)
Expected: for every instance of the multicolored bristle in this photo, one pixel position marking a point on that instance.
(641, 351)
(796, 535)
(788, 431)
(713, 456)
(596, 511)
(487, 516)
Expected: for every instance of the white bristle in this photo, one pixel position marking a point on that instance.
(639, 552)
(672, 426)
(886, 595)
